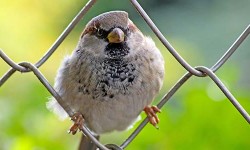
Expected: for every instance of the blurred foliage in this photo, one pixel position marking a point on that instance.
(198, 116)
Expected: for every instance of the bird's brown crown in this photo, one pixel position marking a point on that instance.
(107, 20)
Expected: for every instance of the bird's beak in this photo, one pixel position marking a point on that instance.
(116, 36)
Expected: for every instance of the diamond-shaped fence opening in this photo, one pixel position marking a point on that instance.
(199, 71)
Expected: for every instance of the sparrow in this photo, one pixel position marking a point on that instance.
(113, 75)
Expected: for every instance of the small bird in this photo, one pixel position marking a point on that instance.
(113, 74)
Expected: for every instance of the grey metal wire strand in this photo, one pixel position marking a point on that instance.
(226, 92)
(10, 62)
(46, 84)
(66, 32)
(231, 50)
(164, 40)
(6, 76)
(172, 91)
(51, 50)
(163, 101)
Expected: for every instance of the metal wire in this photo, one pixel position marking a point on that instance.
(200, 71)
(231, 50)
(52, 49)
(164, 40)
(66, 32)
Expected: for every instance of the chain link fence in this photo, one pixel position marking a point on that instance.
(198, 71)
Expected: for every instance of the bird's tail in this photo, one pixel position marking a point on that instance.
(87, 144)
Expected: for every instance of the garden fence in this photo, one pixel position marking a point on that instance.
(199, 71)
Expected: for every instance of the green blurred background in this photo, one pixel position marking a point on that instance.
(198, 116)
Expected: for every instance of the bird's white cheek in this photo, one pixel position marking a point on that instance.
(135, 42)
(93, 44)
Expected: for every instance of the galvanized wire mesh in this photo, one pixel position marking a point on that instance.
(199, 71)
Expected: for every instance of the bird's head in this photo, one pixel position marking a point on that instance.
(110, 28)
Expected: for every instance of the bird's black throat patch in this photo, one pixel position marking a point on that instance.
(116, 50)
(116, 73)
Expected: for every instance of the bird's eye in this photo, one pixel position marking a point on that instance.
(128, 31)
(99, 32)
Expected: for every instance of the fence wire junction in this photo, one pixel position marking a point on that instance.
(199, 71)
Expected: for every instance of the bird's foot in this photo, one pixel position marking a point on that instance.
(78, 120)
(151, 114)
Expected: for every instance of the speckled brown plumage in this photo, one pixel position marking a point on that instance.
(110, 83)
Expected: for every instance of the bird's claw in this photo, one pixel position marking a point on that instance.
(151, 114)
(78, 120)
